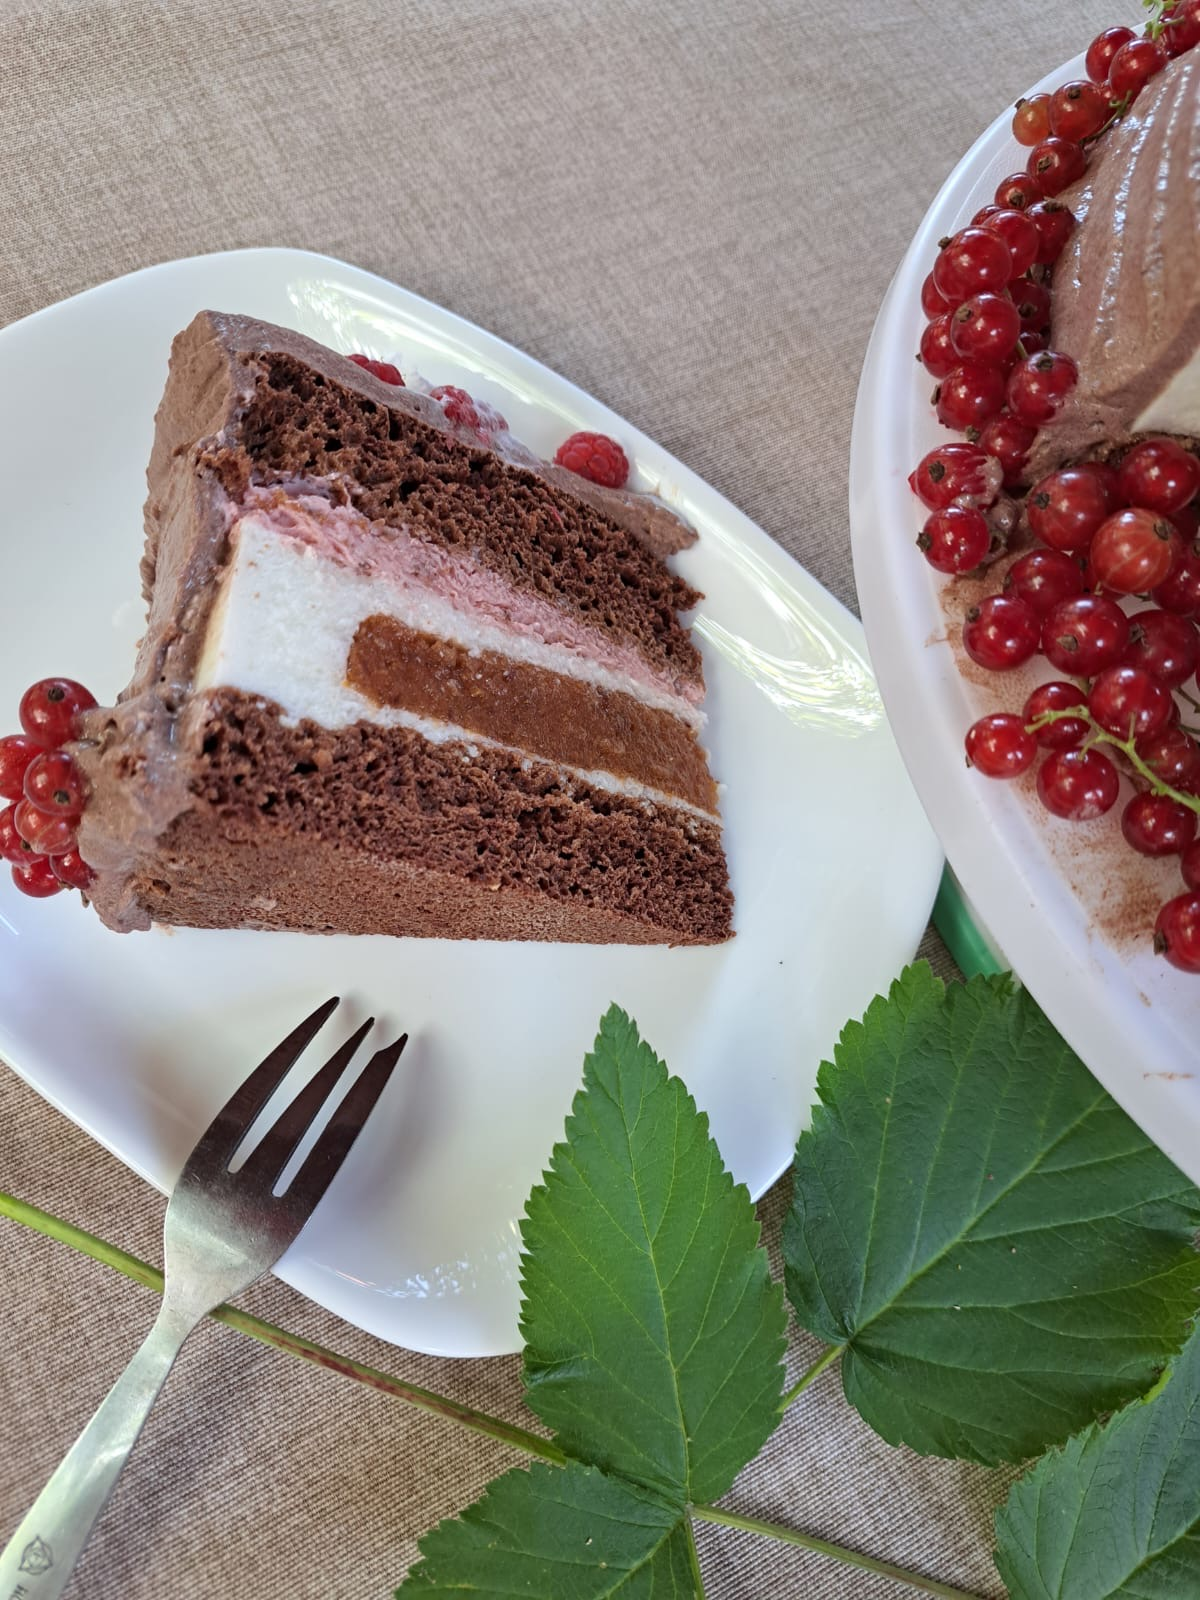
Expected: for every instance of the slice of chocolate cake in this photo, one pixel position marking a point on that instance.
(395, 680)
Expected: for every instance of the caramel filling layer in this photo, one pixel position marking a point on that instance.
(560, 719)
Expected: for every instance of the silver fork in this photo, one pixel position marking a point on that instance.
(223, 1230)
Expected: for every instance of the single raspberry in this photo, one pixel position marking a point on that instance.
(383, 370)
(467, 412)
(595, 456)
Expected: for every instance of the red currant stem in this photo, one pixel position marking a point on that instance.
(1122, 108)
(1021, 350)
(1127, 748)
(1156, 23)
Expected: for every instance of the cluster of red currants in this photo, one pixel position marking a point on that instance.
(1101, 533)
(1107, 532)
(46, 791)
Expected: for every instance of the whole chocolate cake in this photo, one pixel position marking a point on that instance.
(397, 677)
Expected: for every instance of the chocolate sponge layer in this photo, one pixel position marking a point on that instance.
(398, 470)
(563, 720)
(369, 829)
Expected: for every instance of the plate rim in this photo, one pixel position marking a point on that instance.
(572, 399)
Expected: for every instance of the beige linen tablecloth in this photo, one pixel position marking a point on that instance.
(691, 209)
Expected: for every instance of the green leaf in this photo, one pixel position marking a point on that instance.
(564, 1532)
(653, 1334)
(1002, 1252)
(1116, 1512)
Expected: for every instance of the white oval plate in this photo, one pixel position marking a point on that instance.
(1071, 905)
(140, 1038)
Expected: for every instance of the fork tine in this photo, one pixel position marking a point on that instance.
(321, 1164)
(217, 1144)
(277, 1146)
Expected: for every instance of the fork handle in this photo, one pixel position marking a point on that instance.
(38, 1560)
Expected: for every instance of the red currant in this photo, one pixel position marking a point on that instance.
(16, 753)
(1128, 703)
(1057, 164)
(1066, 508)
(1067, 733)
(1173, 756)
(1078, 785)
(1008, 441)
(1102, 49)
(1031, 119)
(72, 871)
(1055, 224)
(35, 877)
(54, 784)
(1182, 30)
(48, 836)
(938, 355)
(971, 262)
(1085, 635)
(985, 328)
(1156, 825)
(955, 540)
(1018, 192)
(1032, 301)
(1164, 644)
(1187, 520)
(1078, 110)
(1107, 478)
(999, 746)
(1044, 577)
(933, 304)
(1133, 66)
(1000, 633)
(50, 710)
(1180, 591)
(955, 474)
(1190, 865)
(1177, 932)
(1159, 475)
(1038, 386)
(969, 396)
(12, 847)
(1133, 551)
(1019, 234)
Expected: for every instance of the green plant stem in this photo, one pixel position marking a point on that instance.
(141, 1272)
(839, 1552)
(827, 1358)
(694, 1555)
(290, 1343)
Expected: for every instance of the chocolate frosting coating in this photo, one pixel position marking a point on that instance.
(1127, 288)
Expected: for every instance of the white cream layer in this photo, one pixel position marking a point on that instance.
(1177, 408)
(283, 624)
